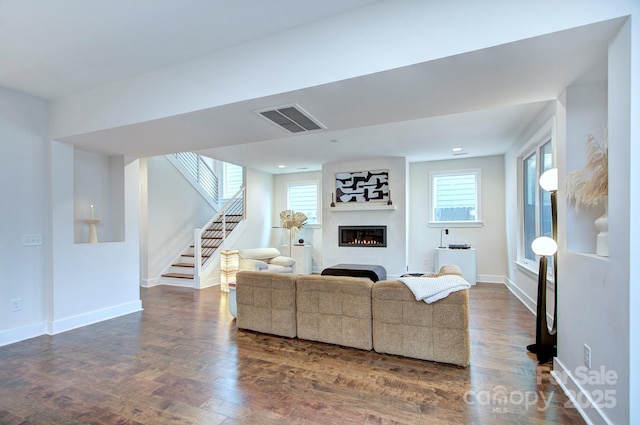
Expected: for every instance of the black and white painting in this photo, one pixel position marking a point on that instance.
(362, 186)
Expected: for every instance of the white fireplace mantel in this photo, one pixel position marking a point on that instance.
(361, 206)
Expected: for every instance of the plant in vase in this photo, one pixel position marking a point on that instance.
(293, 222)
(589, 187)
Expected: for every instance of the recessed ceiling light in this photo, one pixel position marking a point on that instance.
(281, 166)
(456, 149)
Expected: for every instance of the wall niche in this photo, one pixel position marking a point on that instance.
(98, 181)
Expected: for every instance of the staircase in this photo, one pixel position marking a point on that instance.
(186, 269)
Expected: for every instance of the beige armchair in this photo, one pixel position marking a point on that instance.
(265, 259)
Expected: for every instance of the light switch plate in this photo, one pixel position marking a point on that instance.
(31, 239)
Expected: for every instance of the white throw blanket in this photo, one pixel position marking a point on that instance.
(431, 289)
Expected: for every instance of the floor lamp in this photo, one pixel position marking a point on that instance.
(546, 339)
(545, 346)
(229, 266)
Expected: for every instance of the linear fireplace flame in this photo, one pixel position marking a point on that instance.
(362, 236)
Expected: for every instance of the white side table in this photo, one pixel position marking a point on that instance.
(465, 259)
(302, 254)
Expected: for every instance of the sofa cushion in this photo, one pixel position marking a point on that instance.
(334, 309)
(266, 302)
(274, 268)
(281, 260)
(259, 253)
(252, 265)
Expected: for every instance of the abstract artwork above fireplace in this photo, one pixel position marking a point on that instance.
(362, 186)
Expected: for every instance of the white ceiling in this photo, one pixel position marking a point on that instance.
(479, 101)
(54, 48)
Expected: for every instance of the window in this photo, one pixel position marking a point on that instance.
(536, 206)
(303, 197)
(232, 180)
(455, 197)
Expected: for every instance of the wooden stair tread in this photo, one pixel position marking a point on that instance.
(178, 275)
(211, 240)
(207, 245)
(183, 265)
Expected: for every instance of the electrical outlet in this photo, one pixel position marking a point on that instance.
(16, 304)
(587, 356)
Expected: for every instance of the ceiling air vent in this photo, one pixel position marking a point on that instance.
(292, 118)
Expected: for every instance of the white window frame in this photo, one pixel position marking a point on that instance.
(226, 196)
(460, 223)
(546, 133)
(305, 183)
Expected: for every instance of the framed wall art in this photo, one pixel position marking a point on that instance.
(362, 186)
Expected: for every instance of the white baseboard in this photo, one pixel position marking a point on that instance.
(521, 295)
(149, 283)
(22, 333)
(207, 283)
(579, 398)
(183, 283)
(11, 336)
(488, 278)
(73, 322)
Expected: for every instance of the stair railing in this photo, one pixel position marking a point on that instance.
(234, 211)
(197, 171)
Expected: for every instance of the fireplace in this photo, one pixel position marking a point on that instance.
(362, 236)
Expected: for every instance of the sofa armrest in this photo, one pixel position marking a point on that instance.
(252, 265)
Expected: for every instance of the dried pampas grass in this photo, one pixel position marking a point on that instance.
(588, 186)
(292, 220)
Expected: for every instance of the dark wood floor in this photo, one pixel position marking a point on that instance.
(182, 361)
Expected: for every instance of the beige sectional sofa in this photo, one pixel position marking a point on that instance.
(410, 328)
(334, 309)
(355, 312)
(266, 302)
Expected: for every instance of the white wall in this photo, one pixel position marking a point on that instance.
(632, 28)
(259, 211)
(24, 270)
(394, 257)
(89, 282)
(590, 288)
(488, 240)
(588, 283)
(173, 210)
